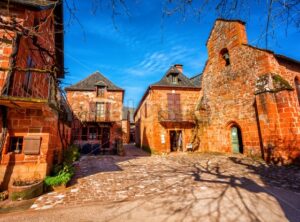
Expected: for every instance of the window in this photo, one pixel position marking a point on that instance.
(225, 56)
(27, 78)
(297, 85)
(174, 79)
(92, 133)
(100, 91)
(84, 133)
(16, 144)
(100, 110)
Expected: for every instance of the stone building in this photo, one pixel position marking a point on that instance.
(128, 126)
(125, 125)
(250, 98)
(164, 118)
(33, 113)
(97, 106)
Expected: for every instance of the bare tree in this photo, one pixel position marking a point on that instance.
(277, 14)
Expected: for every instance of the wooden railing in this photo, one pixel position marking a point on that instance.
(175, 116)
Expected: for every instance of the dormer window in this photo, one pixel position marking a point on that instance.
(225, 56)
(101, 91)
(100, 88)
(174, 79)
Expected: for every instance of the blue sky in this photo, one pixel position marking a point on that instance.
(139, 49)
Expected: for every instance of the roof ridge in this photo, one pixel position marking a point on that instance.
(165, 82)
(91, 80)
(195, 76)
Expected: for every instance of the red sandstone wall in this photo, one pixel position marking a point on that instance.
(41, 50)
(125, 131)
(228, 95)
(80, 105)
(22, 122)
(149, 130)
(6, 46)
(21, 119)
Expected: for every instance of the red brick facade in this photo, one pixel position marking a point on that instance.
(156, 121)
(29, 66)
(255, 93)
(91, 120)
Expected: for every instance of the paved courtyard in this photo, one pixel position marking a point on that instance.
(177, 187)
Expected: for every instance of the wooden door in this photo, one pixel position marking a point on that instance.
(105, 137)
(235, 143)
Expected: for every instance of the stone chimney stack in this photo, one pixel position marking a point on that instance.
(179, 67)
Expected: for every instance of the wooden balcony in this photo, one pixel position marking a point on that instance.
(28, 89)
(171, 116)
(94, 117)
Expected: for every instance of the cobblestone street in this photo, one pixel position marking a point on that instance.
(193, 180)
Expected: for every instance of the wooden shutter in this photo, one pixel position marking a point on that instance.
(32, 145)
(173, 105)
(107, 111)
(92, 113)
(177, 107)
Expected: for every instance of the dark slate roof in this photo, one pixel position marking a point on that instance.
(197, 80)
(183, 81)
(283, 57)
(89, 83)
(39, 4)
(125, 112)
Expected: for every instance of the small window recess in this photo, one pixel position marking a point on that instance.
(225, 56)
(16, 144)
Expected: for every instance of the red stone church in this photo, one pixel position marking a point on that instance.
(250, 98)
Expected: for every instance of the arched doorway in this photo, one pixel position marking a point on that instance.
(236, 139)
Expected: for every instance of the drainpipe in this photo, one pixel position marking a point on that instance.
(259, 130)
(3, 110)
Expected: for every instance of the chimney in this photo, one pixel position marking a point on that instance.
(179, 67)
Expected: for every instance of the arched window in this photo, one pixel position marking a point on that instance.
(297, 85)
(225, 56)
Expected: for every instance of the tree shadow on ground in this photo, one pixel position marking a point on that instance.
(89, 165)
(234, 189)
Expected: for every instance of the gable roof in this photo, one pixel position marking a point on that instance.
(197, 80)
(183, 81)
(89, 83)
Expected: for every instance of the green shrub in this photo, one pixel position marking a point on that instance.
(71, 154)
(63, 177)
(56, 168)
(62, 173)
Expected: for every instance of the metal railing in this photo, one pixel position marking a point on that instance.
(176, 116)
(31, 86)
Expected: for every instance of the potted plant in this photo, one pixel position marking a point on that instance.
(21, 189)
(59, 181)
(62, 173)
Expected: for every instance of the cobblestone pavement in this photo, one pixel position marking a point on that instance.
(183, 182)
